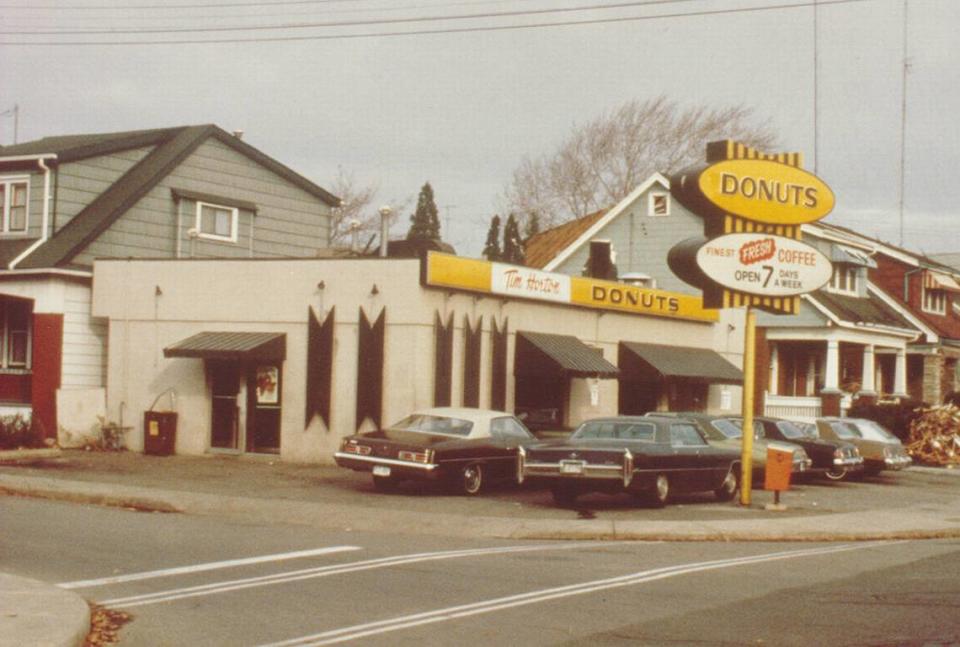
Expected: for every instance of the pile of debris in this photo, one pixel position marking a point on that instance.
(935, 436)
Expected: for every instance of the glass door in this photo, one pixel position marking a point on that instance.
(225, 387)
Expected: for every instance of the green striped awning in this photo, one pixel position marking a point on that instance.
(268, 346)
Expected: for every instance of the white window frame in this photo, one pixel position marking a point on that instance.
(934, 301)
(8, 182)
(5, 339)
(651, 204)
(234, 222)
(848, 285)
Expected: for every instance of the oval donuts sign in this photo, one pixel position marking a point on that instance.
(764, 264)
(766, 191)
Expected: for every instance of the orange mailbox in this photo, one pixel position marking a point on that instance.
(776, 475)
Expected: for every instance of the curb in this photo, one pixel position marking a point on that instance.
(869, 525)
(36, 613)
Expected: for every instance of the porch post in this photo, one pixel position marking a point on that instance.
(867, 387)
(831, 372)
(900, 374)
(772, 386)
(830, 394)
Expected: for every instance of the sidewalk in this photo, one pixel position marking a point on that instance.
(270, 491)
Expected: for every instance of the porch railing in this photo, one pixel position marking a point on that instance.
(806, 409)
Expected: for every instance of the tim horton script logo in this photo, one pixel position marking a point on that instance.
(766, 191)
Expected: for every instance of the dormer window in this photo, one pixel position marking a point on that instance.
(659, 204)
(13, 204)
(844, 279)
(934, 301)
(217, 222)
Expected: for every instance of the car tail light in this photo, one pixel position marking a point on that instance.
(352, 447)
(416, 457)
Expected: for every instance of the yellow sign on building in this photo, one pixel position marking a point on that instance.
(447, 271)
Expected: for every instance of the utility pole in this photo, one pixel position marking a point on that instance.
(903, 120)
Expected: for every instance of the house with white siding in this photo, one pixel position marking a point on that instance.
(184, 192)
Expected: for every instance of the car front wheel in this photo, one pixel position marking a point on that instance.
(471, 479)
(836, 473)
(661, 491)
(728, 488)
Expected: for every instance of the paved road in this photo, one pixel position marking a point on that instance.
(181, 579)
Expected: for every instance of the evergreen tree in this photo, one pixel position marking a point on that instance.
(425, 222)
(533, 224)
(491, 249)
(512, 244)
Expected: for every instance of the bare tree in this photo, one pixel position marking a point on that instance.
(356, 206)
(603, 160)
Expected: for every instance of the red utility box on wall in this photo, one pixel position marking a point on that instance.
(159, 432)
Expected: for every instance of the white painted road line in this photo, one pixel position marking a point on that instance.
(335, 569)
(450, 613)
(210, 566)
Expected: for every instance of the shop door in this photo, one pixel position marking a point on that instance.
(225, 387)
(541, 401)
(263, 425)
(637, 397)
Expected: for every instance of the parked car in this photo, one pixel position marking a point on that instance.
(646, 456)
(832, 458)
(880, 449)
(727, 432)
(463, 447)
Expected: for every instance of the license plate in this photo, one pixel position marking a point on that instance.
(381, 470)
(571, 467)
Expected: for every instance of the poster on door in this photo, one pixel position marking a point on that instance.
(268, 385)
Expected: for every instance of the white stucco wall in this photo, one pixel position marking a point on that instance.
(154, 304)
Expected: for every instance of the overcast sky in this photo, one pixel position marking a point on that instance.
(461, 109)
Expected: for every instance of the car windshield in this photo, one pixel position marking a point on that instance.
(619, 430)
(790, 429)
(728, 428)
(757, 428)
(431, 424)
(843, 430)
(871, 430)
(809, 430)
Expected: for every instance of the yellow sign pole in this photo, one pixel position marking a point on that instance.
(746, 456)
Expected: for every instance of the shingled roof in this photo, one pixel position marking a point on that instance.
(172, 146)
(543, 247)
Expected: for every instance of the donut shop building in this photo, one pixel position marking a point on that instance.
(288, 356)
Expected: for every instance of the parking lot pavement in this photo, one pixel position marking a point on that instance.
(921, 501)
(916, 503)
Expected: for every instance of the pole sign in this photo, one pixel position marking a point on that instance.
(753, 205)
(760, 190)
(764, 264)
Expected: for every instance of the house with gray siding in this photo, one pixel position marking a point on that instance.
(184, 192)
(849, 339)
(639, 231)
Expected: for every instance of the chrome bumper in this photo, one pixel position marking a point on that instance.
(575, 469)
(375, 460)
(897, 462)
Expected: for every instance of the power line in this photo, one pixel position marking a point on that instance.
(393, 8)
(350, 23)
(424, 32)
(220, 5)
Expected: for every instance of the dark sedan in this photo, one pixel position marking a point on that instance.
(646, 456)
(466, 448)
(832, 458)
